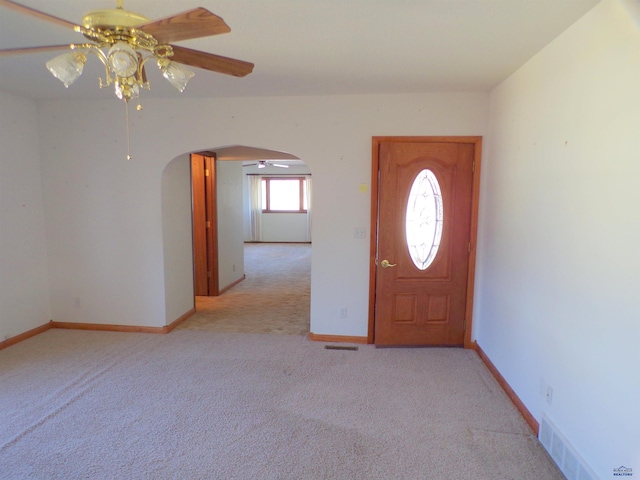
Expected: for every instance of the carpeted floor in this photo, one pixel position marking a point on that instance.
(274, 297)
(210, 405)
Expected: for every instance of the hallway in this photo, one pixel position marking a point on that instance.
(274, 297)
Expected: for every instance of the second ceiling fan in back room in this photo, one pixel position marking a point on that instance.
(265, 164)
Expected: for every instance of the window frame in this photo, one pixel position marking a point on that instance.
(267, 185)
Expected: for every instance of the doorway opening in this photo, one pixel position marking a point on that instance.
(239, 258)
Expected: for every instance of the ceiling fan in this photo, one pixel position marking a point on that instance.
(124, 41)
(265, 164)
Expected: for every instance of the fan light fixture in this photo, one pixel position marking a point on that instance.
(67, 67)
(177, 75)
(127, 50)
(124, 63)
(125, 41)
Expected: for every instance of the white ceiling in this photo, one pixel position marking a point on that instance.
(314, 47)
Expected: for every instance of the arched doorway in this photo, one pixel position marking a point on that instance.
(235, 165)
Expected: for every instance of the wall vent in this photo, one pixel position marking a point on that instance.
(567, 459)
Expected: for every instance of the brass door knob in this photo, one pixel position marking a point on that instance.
(385, 264)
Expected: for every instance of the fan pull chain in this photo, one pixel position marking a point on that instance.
(128, 133)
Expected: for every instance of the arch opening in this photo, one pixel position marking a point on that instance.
(233, 169)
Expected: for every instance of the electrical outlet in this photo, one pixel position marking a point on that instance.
(549, 394)
(360, 233)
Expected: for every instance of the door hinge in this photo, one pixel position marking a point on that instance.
(473, 166)
(206, 172)
(208, 223)
(208, 274)
(469, 248)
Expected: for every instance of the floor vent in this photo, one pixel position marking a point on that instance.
(567, 459)
(340, 347)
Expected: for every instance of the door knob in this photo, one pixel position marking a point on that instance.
(385, 264)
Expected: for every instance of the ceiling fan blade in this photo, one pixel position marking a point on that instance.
(195, 23)
(36, 13)
(250, 165)
(209, 61)
(279, 165)
(19, 51)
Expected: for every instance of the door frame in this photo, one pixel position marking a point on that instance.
(204, 213)
(375, 166)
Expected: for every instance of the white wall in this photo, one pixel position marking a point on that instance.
(230, 227)
(284, 227)
(104, 214)
(24, 287)
(559, 259)
(178, 253)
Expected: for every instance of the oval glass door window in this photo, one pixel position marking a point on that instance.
(424, 219)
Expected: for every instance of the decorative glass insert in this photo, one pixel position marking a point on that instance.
(424, 219)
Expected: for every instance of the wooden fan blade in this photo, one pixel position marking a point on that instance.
(195, 23)
(36, 13)
(19, 51)
(209, 61)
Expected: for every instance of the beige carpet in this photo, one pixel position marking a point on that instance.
(210, 405)
(274, 297)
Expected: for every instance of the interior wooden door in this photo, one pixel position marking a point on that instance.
(425, 194)
(205, 236)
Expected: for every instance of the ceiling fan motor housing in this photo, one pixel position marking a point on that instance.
(112, 18)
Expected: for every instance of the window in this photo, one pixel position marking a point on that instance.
(284, 195)
(424, 219)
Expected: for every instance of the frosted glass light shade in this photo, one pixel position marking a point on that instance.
(177, 75)
(123, 60)
(126, 92)
(67, 67)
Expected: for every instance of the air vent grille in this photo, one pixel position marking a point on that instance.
(565, 456)
(341, 347)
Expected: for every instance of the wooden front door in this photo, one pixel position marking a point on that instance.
(425, 197)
